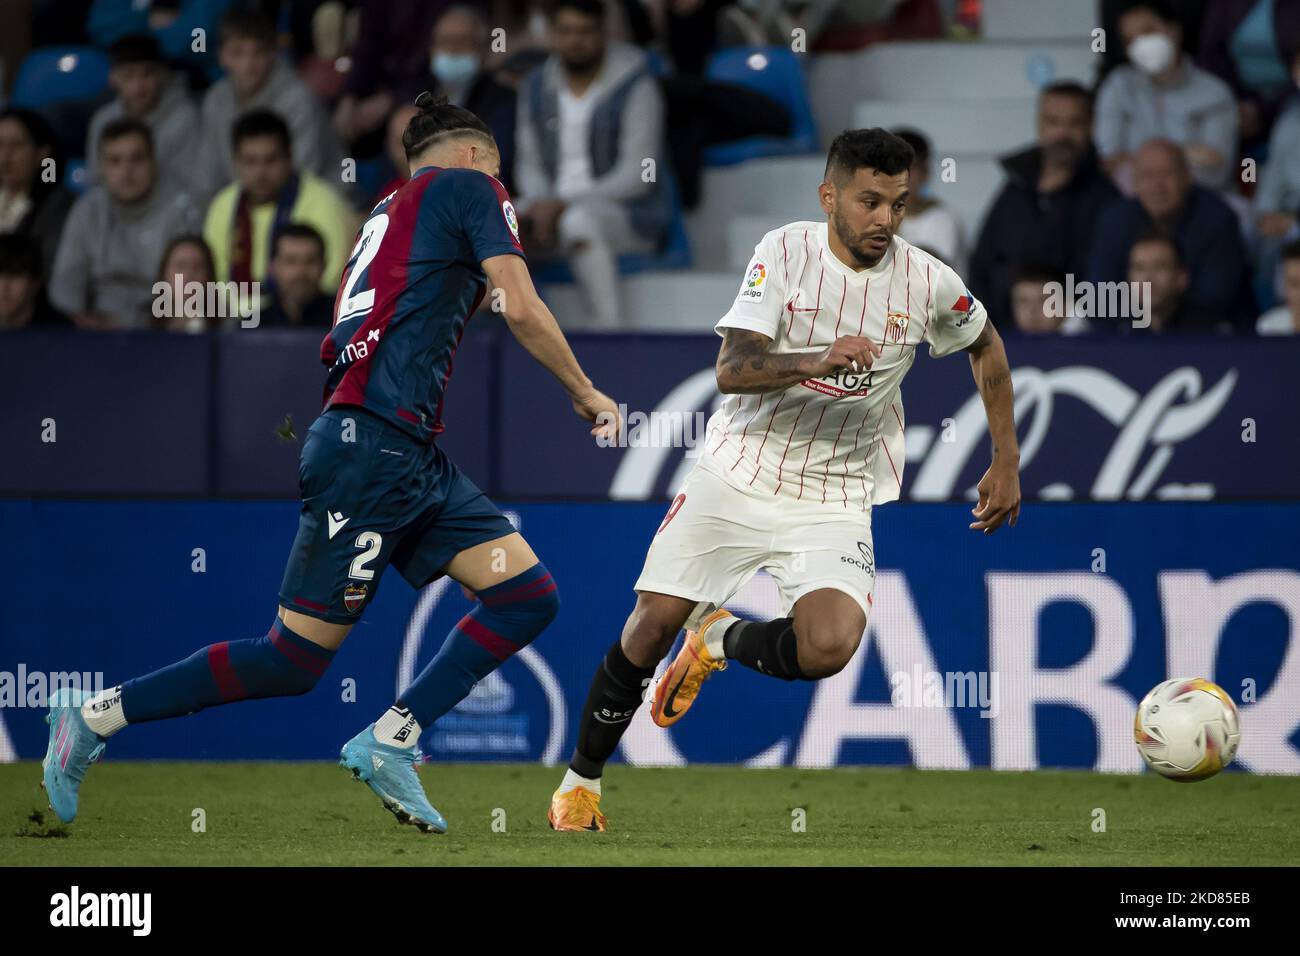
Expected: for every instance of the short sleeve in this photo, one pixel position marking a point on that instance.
(487, 216)
(762, 292)
(958, 317)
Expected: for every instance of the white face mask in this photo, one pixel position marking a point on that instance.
(1152, 53)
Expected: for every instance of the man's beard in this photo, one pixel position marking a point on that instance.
(584, 66)
(863, 255)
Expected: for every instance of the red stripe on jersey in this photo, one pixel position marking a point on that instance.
(743, 435)
(817, 306)
(392, 261)
(861, 318)
(927, 303)
(790, 328)
(780, 469)
(809, 452)
(826, 472)
(840, 313)
(785, 266)
(758, 455)
(871, 450)
(857, 437)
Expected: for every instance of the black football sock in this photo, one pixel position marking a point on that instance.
(615, 695)
(768, 647)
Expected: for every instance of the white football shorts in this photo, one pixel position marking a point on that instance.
(715, 537)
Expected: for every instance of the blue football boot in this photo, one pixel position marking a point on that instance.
(72, 749)
(390, 773)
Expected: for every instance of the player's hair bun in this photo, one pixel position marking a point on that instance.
(427, 102)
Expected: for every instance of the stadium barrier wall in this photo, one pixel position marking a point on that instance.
(1022, 650)
(1104, 419)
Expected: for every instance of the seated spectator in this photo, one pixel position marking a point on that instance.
(1277, 200)
(116, 233)
(1039, 305)
(1046, 212)
(296, 267)
(1285, 319)
(1204, 226)
(1161, 93)
(390, 56)
(187, 268)
(1156, 266)
(1246, 44)
(589, 119)
(459, 49)
(22, 294)
(395, 151)
(171, 23)
(146, 89)
(267, 194)
(32, 203)
(929, 224)
(256, 79)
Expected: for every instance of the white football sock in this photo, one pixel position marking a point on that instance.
(714, 635)
(397, 728)
(572, 781)
(103, 712)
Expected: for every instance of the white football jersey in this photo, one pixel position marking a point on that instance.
(837, 440)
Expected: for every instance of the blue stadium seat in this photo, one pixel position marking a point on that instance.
(56, 73)
(675, 254)
(776, 72)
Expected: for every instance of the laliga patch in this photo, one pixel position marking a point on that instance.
(754, 283)
(508, 210)
(354, 595)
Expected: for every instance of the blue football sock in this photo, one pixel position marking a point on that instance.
(507, 618)
(278, 664)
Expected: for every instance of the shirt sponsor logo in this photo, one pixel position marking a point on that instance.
(841, 384)
(753, 290)
(964, 304)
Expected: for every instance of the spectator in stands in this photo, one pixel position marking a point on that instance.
(104, 270)
(171, 23)
(589, 120)
(456, 69)
(22, 298)
(1039, 305)
(268, 193)
(32, 202)
(1161, 93)
(1156, 267)
(1203, 225)
(256, 79)
(146, 89)
(1248, 45)
(391, 55)
(296, 268)
(1277, 200)
(929, 224)
(395, 151)
(1047, 211)
(188, 270)
(1285, 319)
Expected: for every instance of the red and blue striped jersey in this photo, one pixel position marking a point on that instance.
(414, 278)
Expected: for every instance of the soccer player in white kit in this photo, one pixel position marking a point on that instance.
(827, 321)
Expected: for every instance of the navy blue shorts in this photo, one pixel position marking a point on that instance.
(381, 498)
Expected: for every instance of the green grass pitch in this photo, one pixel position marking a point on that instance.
(278, 814)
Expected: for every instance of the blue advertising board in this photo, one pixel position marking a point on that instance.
(1026, 649)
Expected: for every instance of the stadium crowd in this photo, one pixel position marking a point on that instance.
(255, 160)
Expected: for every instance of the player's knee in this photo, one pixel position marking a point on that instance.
(825, 647)
(649, 634)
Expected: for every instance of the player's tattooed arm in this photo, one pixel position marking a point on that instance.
(999, 489)
(747, 366)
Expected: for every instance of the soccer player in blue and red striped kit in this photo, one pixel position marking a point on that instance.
(376, 488)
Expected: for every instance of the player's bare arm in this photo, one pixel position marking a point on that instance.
(999, 489)
(535, 328)
(747, 366)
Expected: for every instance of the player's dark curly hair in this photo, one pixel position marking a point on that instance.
(436, 120)
(873, 148)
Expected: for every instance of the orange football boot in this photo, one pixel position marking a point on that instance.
(576, 809)
(681, 683)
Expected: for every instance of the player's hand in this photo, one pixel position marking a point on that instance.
(597, 407)
(999, 501)
(852, 352)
